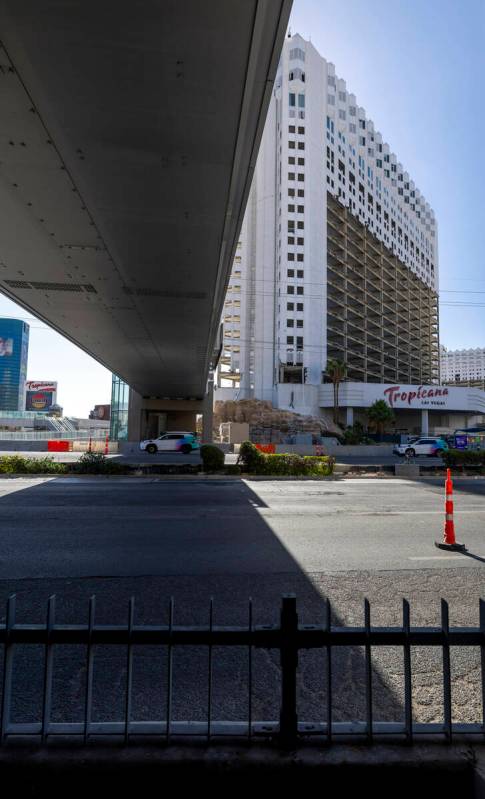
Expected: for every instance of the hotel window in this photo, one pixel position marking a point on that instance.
(292, 100)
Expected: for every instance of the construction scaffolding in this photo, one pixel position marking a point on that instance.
(382, 320)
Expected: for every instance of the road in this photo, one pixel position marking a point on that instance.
(152, 538)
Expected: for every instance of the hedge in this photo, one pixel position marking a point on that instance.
(256, 462)
(17, 464)
(464, 457)
(212, 458)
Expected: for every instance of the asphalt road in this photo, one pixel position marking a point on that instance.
(153, 538)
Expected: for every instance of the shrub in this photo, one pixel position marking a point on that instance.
(464, 457)
(97, 463)
(296, 465)
(212, 458)
(250, 458)
(232, 468)
(17, 464)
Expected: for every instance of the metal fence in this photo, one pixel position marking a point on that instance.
(53, 435)
(288, 637)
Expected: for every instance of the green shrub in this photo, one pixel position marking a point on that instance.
(293, 465)
(250, 458)
(97, 463)
(212, 458)
(17, 464)
(232, 468)
(464, 457)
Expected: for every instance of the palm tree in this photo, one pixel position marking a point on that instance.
(379, 414)
(337, 372)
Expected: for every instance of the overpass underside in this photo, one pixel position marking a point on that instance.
(129, 138)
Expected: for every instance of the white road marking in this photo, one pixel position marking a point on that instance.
(438, 557)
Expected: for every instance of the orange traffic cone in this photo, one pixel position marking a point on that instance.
(449, 541)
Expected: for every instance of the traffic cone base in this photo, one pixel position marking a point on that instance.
(456, 547)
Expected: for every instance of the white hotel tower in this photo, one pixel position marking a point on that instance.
(338, 253)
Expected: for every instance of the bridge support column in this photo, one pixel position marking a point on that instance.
(424, 423)
(208, 413)
(150, 417)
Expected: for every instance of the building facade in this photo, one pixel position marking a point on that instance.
(14, 351)
(338, 253)
(465, 367)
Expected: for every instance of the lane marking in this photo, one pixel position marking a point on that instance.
(440, 557)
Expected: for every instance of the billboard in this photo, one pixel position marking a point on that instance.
(6, 347)
(40, 395)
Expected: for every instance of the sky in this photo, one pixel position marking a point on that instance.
(417, 67)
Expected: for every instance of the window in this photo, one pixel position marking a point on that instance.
(297, 52)
(299, 257)
(300, 225)
(342, 96)
(301, 162)
(291, 128)
(290, 340)
(291, 240)
(291, 159)
(362, 141)
(301, 129)
(362, 124)
(299, 306)
(299, 342)
(301, 101)
(331, 99)
(291, 145)
(299, 272)
(292, 100)
(299, 322)
(352, 111)
(352, 128)
(331, 80)
(290, 323)
(291, 290)
(301, 145)
(342, 114)
(291, 256)
(300, 209)
(290, 273)
(291, 175)
(301, 177)
(291, 209)
(300, 241)
(299, 290)
(301, 192)
(290, 306)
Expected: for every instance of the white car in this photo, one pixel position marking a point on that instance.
(174, 441)
(422, 446)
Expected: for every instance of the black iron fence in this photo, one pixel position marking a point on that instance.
(288, 637)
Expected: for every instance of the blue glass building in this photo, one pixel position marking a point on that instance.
(14, 351)
(119, 409)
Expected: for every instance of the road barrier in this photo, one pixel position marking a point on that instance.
(59, 446)
(289, 637)
(449, 541)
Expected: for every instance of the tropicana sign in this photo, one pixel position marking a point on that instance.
(415, 396)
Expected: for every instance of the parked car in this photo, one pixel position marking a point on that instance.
(174, 441)
(432, 447)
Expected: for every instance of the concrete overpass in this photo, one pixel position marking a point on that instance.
(128, 140)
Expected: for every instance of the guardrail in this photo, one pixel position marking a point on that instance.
(289, 637)
(55, 435)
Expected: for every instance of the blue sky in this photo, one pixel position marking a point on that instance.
(417, 67)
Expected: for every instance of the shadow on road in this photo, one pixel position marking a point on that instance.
(154, 540)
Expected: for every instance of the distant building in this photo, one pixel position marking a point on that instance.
(14, 351)
(337, 256)
(463, 367)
